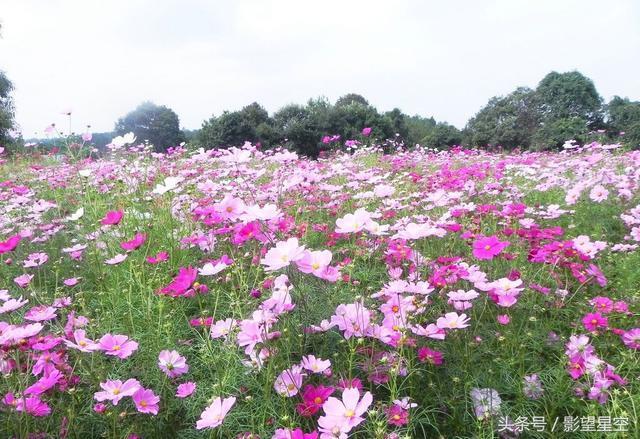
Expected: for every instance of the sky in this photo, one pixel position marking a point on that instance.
(445, 59)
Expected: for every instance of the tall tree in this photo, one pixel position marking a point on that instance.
(6, 109)
(508, 121)
(157, 124)
(232, 128)
(624, 116)
(567, 95)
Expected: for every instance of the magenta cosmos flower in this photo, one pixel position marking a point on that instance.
(594, 321)
(135, 243)
(10, 244)
(488, 247)
(146, 401)
(172, 363)
(181, 283)
(214, 415)
(112, 218)
(118, 345)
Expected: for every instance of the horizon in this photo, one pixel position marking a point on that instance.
(201, 59)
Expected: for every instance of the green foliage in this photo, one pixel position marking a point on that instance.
(233, 128)
(569, 95)
(6, 109)
(508, 121)
(624, 116)
(555, 132)
(157, 124)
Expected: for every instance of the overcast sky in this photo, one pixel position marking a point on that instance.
(432, 57)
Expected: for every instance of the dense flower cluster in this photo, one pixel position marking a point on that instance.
(339, 287)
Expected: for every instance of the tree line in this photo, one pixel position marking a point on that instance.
(563, 106)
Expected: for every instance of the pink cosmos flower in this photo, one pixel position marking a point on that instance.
(350, 409)
(594, 321)
(289, 381)
(214, 415)
(40, 313)
(10, 244)
(112, 218)
(366, 131)
(172, 363)
(488, 247)
(117, 345)
(160, 257)
(353, 222)
(72, 281)
(146, 401)
(81, 342)
(598, 193)
(115, 390)
(315, 365)
(116, 259)
(23, 280)
(354, 319)
(251, 333)
(631, 338)
(230, 208)
(222, 328)
(451, 320)
(503, 319)
(283, 254)
(314, 261)
(135, 243)
(12, 304)
(35, 260)
(87, 137)
(185, 389)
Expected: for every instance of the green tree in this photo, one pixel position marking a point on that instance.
(6, 109)
(418, 128)
(569, 95)
(508, 121)
(624, 116)
(443, 135)
(232, 128)
(157, 124)
(351, 98)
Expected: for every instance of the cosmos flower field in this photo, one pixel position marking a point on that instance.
(243, 293)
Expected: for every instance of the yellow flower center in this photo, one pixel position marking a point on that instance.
(487, 247)
(317, 400)
(349, 413)
(116, 348)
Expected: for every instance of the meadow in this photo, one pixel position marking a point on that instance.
(243, 293)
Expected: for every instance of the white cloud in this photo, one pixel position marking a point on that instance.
(444, 59)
